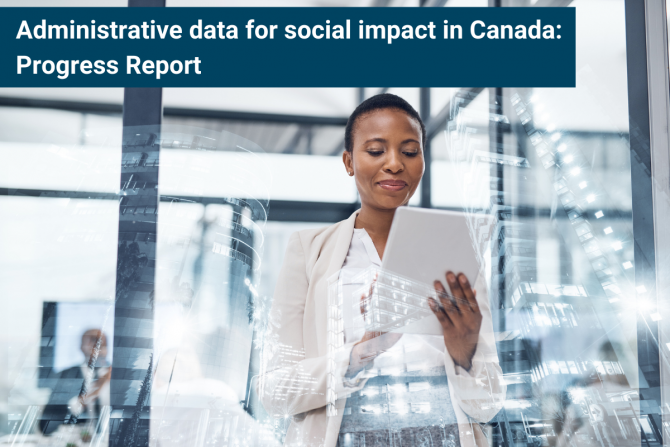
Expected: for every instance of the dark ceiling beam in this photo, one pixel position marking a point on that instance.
(255, 116)
(102, 108)
(70, 106)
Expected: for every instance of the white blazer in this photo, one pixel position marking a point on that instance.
(294, 375)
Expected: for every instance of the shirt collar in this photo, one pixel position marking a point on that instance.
(369, 246)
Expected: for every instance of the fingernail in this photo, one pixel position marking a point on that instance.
(463, 279)
(451, 277)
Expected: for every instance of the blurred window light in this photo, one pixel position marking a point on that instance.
(517, 404)
(608, 230)
(599, 214)
(418, 386)
(420, 407)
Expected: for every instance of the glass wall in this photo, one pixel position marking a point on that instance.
(553, 167)
(139, 268)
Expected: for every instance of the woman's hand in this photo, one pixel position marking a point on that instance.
(372, 344)
(460, 318)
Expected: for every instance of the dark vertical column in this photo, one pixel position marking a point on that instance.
(641, 183)
(134, 306)
(497, 173)
(495, 146)
(132, 367)
(498, 292)
(424, 111)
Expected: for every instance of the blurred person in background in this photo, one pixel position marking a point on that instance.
(81, 391)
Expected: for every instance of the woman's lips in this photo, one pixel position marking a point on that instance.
(392, 185)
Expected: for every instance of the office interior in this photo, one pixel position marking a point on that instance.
(160, 218)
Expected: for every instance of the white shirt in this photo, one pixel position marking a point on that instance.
(362, 254)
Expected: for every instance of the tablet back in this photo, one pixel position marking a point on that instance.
(423, 245)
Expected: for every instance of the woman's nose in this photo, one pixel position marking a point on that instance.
(393, 163)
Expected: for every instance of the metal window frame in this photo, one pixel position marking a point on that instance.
(649, 118)
(658, 83)
(179, 112)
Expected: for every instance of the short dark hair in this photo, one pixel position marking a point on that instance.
(378, 102)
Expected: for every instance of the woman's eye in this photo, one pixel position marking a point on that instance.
(375, 153)
(411, 154)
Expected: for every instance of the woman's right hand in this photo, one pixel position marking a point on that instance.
(372, 344)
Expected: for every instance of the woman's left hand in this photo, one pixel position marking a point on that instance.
(459, 317)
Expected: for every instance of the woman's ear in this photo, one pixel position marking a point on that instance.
(348, 161)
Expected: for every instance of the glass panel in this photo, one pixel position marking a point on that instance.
(57, 270)
(45, 149)
(553, 165)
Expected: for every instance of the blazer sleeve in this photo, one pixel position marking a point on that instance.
(289, 383)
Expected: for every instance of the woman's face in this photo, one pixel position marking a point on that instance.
(386, 159)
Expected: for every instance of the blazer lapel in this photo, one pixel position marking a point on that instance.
(342, 244)
(342, 238)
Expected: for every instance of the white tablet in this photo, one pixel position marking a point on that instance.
(424, 244)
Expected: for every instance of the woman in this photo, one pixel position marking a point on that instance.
(384, 141)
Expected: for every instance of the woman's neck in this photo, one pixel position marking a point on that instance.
(377, 223)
